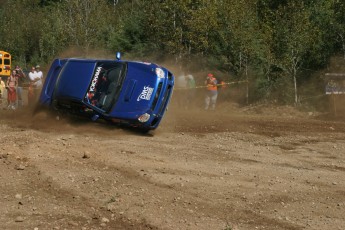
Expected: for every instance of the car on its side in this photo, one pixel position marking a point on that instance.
(130, 93)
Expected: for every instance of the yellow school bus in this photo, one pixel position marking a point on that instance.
(5, 64)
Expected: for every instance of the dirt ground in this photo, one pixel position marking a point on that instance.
(231, 169)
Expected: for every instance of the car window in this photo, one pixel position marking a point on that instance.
(105, 85)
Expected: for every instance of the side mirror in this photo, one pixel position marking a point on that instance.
(118, 55)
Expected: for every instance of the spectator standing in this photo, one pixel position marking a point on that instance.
(11, 84)
(211, 93)
(36, 82)
(32, 91)
(2, 90)
(181, 85)
(190, 90)
(21, 80)
(39, 74)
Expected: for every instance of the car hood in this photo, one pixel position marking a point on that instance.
(138, 89)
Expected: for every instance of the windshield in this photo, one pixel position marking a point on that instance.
(105, 85)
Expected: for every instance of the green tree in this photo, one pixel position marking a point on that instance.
(338, 24)
(295, 36)
(129, 32)
(85, 21)
(271, 43)
(21, 28)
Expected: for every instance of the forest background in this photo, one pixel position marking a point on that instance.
(281, 47)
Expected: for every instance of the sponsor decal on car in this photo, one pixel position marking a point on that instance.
(95, 79)
(145, 94)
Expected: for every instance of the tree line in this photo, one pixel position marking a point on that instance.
(274, 44)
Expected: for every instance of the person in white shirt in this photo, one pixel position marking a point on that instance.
(35, 85)
(39, 75)
(33, 76)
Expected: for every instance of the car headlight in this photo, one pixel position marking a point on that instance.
(160, 73)
(143, 118)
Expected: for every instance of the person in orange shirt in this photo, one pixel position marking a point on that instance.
(211, 93)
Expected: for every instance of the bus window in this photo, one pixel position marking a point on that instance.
(5, 64)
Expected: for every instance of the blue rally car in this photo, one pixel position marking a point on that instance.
(124, 92)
